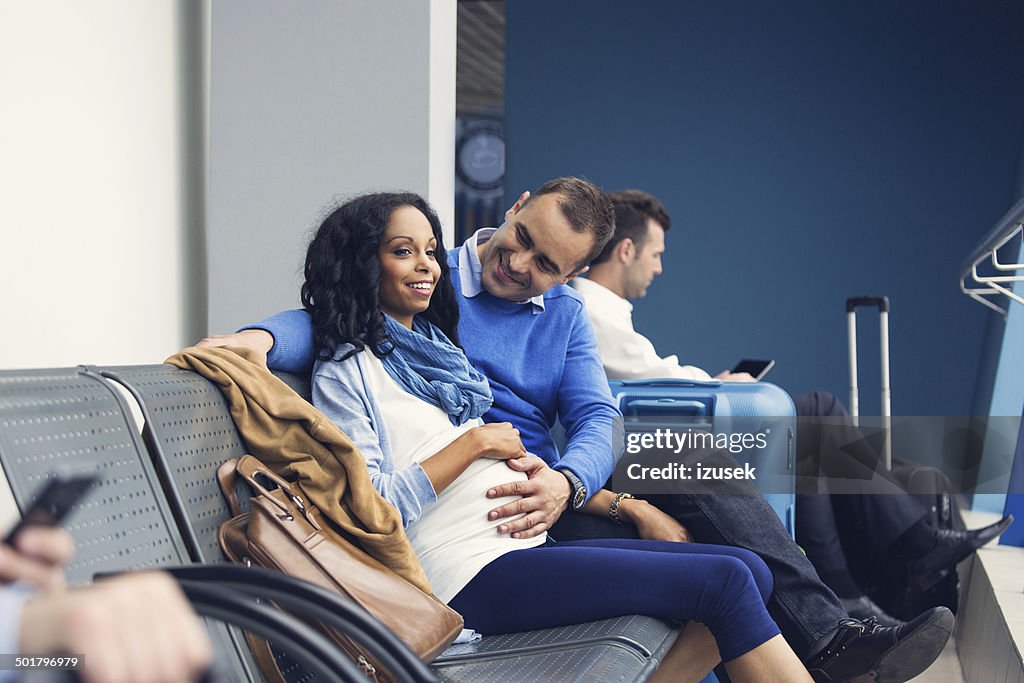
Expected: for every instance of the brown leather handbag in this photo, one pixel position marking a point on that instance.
(284, 531)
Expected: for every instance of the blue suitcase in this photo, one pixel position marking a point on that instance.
(729, 408)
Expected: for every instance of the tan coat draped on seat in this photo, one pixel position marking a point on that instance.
(293, 438)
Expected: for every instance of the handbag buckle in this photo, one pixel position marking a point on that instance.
(307, 513)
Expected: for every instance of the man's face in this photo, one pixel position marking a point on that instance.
(534, 250)
(646, 262)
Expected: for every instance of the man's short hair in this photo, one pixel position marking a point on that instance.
(585, 206)
(632, 209)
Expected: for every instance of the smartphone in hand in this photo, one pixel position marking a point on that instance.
(58, 495)
(755, 368)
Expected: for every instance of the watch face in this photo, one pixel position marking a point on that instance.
(579, 498)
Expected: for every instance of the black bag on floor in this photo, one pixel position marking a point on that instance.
(894, 585)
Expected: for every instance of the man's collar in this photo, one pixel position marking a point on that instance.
(590, 289)
(471, 270)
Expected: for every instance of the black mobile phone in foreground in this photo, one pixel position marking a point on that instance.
(58, 496)
(755, 368)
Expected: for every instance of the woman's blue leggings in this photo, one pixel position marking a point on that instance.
(576, 581)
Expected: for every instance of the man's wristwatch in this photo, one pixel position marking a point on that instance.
(577, 490)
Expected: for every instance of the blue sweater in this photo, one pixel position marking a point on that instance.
(542, 366)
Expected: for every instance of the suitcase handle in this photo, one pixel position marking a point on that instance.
(879, 302)
(665, 407)
(668, 382)
(882, 303)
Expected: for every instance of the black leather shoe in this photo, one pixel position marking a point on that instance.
(863, 608)
(952, 546)
(862, 651)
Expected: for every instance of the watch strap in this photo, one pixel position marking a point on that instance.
(578, 491)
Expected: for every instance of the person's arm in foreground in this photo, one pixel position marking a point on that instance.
(110, 624)
(33, 565)
(137, 628)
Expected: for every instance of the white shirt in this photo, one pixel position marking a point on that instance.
(625, 353)
(453, 539)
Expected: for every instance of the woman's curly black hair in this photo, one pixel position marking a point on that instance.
(342, 287)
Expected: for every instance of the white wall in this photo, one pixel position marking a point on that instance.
(92, 189)
(104, 226)
(312, 102)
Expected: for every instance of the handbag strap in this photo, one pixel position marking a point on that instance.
(252, 470)
(227, 475)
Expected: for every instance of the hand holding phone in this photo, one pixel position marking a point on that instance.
(755, 368)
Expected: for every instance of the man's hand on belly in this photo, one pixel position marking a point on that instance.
(544, 495)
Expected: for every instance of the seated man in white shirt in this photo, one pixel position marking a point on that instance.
(624, 270)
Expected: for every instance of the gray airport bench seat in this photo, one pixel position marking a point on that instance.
(188, 434)
(66, 419)
(72, 420)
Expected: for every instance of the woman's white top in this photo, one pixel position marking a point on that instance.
(453, 538)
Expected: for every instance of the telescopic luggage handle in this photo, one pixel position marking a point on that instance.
(882, 304)
(879, 302)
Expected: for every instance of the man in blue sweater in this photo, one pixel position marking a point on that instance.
(528, 332)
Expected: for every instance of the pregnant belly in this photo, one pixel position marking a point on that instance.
(459, 515)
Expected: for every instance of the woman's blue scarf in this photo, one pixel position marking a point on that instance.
(428, 365)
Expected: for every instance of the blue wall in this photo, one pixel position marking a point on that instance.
(807, 151)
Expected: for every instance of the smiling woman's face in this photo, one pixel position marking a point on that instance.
(408, 270)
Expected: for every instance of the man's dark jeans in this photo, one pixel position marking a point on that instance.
(803, 607)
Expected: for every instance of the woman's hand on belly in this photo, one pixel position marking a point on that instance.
(496, 441)
(499, 441)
